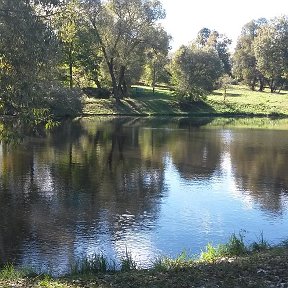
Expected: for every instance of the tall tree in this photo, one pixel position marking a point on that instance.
(217, 41)
(244, 60)
(123, 27)
(28, 52)
(88, 58)
(270, 48)
(157, 59)
(67, 22)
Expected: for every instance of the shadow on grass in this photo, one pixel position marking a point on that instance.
(150, 106)
(139, 92)
(164, 105)
(198, 107)
(227, 94)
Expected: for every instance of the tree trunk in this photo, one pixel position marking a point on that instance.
(114, 82)
(121, 82)
(125, 88)
(97, 82)
(70, 67)
(253, 84)
(261, 84)
(272, 86)
(154, 78)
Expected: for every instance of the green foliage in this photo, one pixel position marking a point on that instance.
(91, 265)
(225, 82)
(124, 30)
(234, 247)
(31, 122)
(218, 42)
(166, 263)
(244, 60)
(270, 48)
(65, 102)
(127, 262)
(67, 23)
(97, 93)
(27, 60)
(8, 272)
(260, 245)
(155, 70)
(48, 282)
(261, 53)
(195, 71)
(211, 253)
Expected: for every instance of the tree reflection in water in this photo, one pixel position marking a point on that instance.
(93, 184)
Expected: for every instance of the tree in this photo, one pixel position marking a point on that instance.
(155, 69)
(28, 51)
(203, 36)
(217, 41)
(270, 48)
(157, 59)
(195, 71)
(282, 34)
(66, 23)
(88, 58)
(29, 61)
(123, 28)
(244, 60)
(225, 81)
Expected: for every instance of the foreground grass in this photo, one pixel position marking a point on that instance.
(240, 101)
(229, 265)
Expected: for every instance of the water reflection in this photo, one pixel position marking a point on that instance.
(259, 159)
(101, 185)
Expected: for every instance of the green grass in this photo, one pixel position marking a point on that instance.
(234, 247)
(228, 265)
(9, 272)
(94, 264)
(240, 101)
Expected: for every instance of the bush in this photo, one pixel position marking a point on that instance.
(65, 102)
(195, 71)
(99, 93)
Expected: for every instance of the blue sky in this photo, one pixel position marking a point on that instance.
(186, 17)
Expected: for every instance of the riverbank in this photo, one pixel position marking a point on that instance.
(262, 267)
(240, 101)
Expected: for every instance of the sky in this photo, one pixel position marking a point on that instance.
(184, 18)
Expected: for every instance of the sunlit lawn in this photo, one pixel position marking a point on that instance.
(240, 100)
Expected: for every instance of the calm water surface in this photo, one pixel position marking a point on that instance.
(151, 186)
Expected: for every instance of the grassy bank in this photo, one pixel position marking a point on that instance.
(240, 101)
(229, 265)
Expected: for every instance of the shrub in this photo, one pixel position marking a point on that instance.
(99, 93)
(65, 102)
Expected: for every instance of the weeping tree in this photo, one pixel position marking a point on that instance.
(28, 50)
(123, 29)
